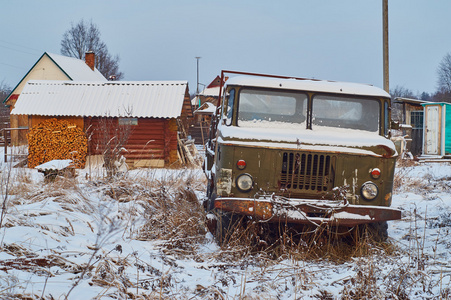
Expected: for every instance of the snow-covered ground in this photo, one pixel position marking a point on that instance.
(123, 239)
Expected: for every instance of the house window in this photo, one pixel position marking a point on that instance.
(128, 121)
(416, 119)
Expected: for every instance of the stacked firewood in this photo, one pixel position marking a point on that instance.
(53, 139)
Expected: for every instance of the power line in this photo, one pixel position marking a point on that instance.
(21, 46)
(12, 66)
(17, 50)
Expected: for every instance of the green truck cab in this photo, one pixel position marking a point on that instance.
(301, 151)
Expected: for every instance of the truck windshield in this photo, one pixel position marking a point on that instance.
(285, 109)
(259, 107)
(345, 112)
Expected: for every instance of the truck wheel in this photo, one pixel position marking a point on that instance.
(209, 203)
(209, 188)
(211, 216)
(226, 224)
(377, 231)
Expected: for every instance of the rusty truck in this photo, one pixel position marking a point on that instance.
(300, 151)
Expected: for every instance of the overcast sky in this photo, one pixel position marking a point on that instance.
(159, 40)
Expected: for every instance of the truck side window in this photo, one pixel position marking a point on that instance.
(229, 112)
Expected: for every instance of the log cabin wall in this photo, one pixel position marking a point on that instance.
(186, 118)
(146, 142)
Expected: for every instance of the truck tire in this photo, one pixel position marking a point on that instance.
(377, 231)
(226, 224)
(209, 188)
(209, 203)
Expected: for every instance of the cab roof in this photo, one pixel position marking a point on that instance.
(311, 85)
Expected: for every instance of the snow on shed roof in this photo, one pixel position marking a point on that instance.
(309, 85)
(410, 101)
(206, 108)
(140, 99)
(76, 68)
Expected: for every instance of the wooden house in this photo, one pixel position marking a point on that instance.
(50, 67)
(153, 112)
(204, 106)
(200, 129)
(437, 129)
(209, 94)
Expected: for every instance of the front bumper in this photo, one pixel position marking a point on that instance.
(305, 211)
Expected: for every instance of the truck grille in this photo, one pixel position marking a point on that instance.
(308, 172)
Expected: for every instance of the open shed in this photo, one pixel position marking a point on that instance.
(412, 115)
(437, 129)
(151, 111)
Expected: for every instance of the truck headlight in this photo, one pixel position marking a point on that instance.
(369, 190)
(244, 182)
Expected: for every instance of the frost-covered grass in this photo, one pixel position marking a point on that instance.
(143, 236)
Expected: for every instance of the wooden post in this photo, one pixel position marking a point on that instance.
(385, 45)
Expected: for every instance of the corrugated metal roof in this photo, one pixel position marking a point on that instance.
(139, 99)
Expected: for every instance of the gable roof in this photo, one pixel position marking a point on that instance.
(140, 99)
(73, 68)
(217, 82)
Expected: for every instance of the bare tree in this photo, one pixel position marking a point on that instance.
(83, 37)
(4, 110)
(400, 91)
(444, 74)
(4, 91)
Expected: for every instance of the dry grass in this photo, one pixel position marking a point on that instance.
(302, 243)
(176, 220)
(173, 212)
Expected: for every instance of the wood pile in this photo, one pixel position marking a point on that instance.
(53, 139)
(188, 153)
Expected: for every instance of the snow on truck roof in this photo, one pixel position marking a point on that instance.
(313, 85)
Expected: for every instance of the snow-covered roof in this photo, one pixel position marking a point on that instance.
(140, 99)
(206, 108)
(76, 68)
(410, 101)
(73, 68)
(309, 85)
(213, 92)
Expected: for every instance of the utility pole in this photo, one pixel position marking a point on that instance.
(197, 85)
(385, 44)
